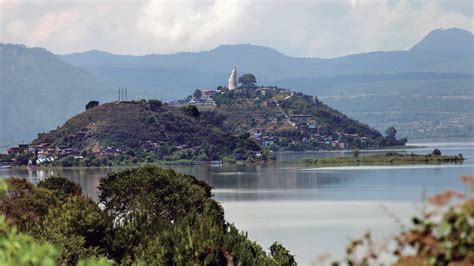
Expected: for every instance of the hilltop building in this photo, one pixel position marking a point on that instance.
(233, 79)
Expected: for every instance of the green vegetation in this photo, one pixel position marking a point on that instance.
(142, 132)
(247, 80)
(91, 104)
(150, 216)
(197, 94)
(19, 246)
(383, 159)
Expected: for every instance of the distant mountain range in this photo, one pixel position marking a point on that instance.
(431, 82)
(39, 91)
(186, 71)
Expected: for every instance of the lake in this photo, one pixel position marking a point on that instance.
(312, 211)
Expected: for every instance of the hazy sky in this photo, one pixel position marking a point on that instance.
(298, 28)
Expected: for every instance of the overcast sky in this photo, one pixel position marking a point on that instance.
(298, 28)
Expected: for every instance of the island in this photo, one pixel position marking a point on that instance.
(240, 123)
(388, 158)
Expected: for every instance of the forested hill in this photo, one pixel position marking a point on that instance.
(240, 124)
(38, 91)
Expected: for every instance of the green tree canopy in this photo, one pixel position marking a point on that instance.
(436, 152)
(61, 186)
(247, 80)
(192, 111)
(197, 94)
(147, 200)
(91, 104)
(391, 133)
(155, 105)
(78, 227)
(24, 204)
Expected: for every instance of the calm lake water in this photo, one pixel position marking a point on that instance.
(312, 211)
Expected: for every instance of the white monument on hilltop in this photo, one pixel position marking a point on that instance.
(233, 79)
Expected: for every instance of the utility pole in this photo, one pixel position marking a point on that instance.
(122, 94)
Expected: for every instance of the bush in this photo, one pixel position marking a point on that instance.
(61, 186)
(281, 255)
(78, 227)
(91, 104)
(24, 204)
(155, 105)
(436, 152)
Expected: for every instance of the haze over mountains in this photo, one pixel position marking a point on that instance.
(425, 92)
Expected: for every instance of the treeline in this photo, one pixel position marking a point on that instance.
(150, 216)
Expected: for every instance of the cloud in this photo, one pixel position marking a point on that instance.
(189, 23)
(300, 28)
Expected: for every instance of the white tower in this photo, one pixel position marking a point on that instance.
(233, 79)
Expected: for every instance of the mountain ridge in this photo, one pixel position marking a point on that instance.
(453, 39)
(436, 34)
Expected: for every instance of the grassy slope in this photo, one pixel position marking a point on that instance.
(128, 124)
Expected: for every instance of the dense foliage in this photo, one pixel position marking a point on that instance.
(28, 245)
(151, 216)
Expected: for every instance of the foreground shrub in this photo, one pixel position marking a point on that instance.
(23, 204)
(78, 227)
(61, 186)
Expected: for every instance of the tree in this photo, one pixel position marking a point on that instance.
(436, 152)
(155, 105)
(78, 227)
(149, 199)
(61, 186)
(197, 94)
(91, 104)
(282, 255)
(192, 111)
(24, 204)
(247, 80)
(391, 133)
